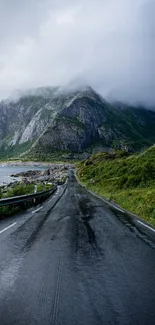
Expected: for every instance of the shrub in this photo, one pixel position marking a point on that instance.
(121, 154)
(133, 181)
(122, 181)
(21, 189)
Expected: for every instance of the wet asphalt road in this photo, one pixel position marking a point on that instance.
(79, 262)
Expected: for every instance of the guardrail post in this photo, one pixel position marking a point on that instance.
(35, 191)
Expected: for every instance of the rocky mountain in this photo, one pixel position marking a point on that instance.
(54, 120)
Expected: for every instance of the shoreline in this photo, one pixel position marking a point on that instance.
(32, 163)
(11, 176)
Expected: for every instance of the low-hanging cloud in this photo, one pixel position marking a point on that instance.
(108, 44)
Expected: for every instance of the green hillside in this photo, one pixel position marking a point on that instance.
(127, 180)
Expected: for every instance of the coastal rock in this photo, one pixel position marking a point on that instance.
(29, 173)
(54, 173)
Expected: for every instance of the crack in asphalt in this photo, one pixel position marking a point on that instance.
(87, 214)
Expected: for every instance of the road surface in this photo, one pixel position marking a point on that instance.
(76, 261)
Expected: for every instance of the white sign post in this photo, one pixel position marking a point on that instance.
(35, 191)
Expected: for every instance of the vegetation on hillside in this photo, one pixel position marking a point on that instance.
(128, 180)
(14, 151)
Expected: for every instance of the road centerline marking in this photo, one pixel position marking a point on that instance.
(37, 209)
(3, 230)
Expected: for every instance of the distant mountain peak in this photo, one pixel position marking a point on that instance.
(79, 120)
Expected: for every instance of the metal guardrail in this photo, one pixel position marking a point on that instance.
(25, 198)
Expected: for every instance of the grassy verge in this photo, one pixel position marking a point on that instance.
(127, 180)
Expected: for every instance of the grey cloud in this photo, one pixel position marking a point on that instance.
(108, 44)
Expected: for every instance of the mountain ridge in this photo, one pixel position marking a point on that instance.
(75, 121)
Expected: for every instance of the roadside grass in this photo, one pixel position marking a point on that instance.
(126, 180)
(23, 189)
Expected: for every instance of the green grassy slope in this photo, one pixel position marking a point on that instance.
(14, 151)
(136, 126)
(127, 180)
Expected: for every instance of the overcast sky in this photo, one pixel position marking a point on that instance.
(108, 44)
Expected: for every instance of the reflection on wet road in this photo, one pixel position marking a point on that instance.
(77, 261)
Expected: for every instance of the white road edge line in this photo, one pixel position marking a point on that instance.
(105, 201)
(13, 224)
(37, 209)
(116, 207)
(146, 226)
(119, 209)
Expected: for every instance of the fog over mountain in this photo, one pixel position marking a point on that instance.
(108, 44)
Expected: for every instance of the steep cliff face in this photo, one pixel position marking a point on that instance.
(27, 117)
(76, 126)
(53, 119)
(88, 120)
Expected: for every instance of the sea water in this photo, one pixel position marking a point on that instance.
(6, 171)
